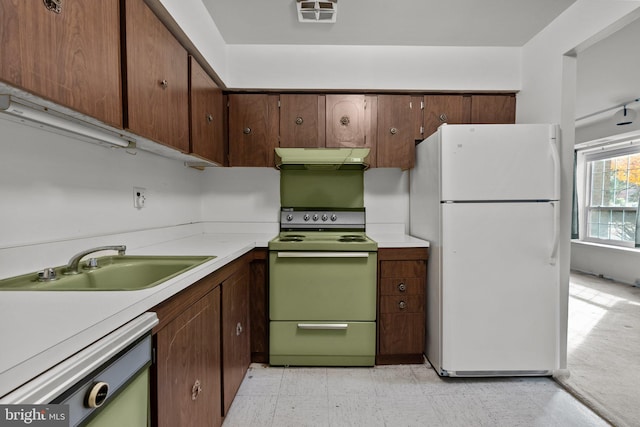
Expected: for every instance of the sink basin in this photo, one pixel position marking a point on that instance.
(114, 273)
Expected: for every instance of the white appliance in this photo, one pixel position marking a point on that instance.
(486, 197)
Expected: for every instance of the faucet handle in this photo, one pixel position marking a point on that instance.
(47, 275)
(92, 263)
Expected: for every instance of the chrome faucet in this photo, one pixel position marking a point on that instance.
(72, 266)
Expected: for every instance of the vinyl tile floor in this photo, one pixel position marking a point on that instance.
(399, 395)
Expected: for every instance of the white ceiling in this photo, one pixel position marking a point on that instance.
(388, 22)
(606, 71)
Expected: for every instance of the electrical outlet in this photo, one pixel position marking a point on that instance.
(139, 197)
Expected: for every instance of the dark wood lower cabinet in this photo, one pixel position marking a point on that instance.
(236, 352)
(188, 366)
(202, 348)
(402, 276)
(259, 307)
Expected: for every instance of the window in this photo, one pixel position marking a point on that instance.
(612, 198)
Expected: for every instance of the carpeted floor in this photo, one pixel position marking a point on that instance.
(604, 348)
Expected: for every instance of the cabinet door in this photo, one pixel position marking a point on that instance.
(253, 129)
(206, 120)
(259, 303)
(301, 120)
(493, 109)
(71, 57)
(451, 109)
(401, 305)
(157, 79)
(188, 366)
(395, 143)
(346, 121)
(236, 350)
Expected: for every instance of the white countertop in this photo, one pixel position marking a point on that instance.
(40, 329)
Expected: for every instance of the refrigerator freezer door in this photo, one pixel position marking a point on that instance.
(499, 162)
(499, 288)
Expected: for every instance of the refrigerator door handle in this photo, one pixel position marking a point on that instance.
(555, 155)
(556, 233)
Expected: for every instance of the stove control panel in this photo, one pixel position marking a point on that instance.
(290, 218)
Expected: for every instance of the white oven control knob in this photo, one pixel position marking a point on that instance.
(289, 217)
(315, 217)
(325, 217)
(334, 217)
(306, 217)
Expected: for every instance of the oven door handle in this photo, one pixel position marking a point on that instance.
(323, 326)
(306, 254)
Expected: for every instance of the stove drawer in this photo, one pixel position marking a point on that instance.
(322, 343)
(324, 286)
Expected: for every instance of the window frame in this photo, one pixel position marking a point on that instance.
(602, 154)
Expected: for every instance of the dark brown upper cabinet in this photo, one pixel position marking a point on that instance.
(70, 56)
(395, 142)
(253, 129)
(493, 109)
(206, 118)
(346, 121)
(451, 109)
(302, 120)
(157, 79)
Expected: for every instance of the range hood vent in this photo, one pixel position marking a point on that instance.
(322, 158)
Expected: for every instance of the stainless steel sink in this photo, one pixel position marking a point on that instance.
(110, 273)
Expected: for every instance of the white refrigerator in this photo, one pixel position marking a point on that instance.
(486, 197)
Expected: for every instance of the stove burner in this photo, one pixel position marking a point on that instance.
(352, 238)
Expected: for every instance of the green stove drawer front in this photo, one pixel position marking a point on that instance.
(322, 343)
(322, 285)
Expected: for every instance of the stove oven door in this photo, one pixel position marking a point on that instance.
(322, 286)
(323, 308)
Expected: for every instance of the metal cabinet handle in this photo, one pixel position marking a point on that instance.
(299, 120)
(344, 120)
(246, 131)
(443, 117)
(164, 84)
(402, 305)
(393, 131)
(195, 390)
(402, 287)
(323, 326)
(209, 118)
(238, 329)
(54, 5)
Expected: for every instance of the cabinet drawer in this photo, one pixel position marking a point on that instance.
(402, 334)
(402, 304)
(402, 286)
(417, 268)
(329, 343)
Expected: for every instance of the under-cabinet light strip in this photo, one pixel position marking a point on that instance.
(46, 117)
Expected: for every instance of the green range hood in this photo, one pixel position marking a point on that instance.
(322, 158)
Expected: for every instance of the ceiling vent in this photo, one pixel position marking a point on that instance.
(317, 11)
